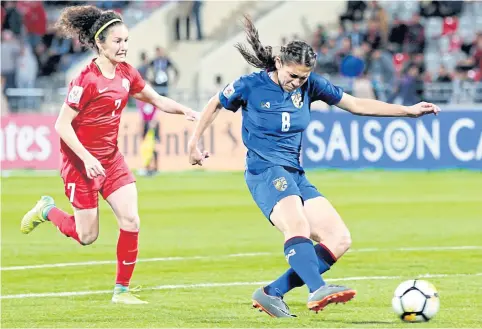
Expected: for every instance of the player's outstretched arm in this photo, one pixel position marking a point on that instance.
(372, 107)
(149, 95)
(208, 115)
(64, 128)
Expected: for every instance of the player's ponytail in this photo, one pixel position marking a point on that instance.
(298, 52)
(262, 57)
(85, 22)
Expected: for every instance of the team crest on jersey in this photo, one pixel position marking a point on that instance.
(229, 90)
(126, 84)
(280, 184)
(297, 99)
(75, 94)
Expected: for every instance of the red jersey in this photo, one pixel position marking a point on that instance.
(100, 102)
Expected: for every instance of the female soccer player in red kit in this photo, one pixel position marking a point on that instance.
(88, 126)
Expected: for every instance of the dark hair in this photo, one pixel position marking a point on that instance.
(298, 52)
(84, 22)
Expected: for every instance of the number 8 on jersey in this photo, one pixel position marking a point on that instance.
(285, 121)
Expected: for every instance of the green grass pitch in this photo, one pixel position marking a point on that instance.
(205, 247)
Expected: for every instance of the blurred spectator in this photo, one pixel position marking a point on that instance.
(443, 75)
(476, 53)
(76, 51)
(451, 8)
(450, 25)
(326, 60)
(415, 39)
(342, 34)
(417, 60)
(26, 74)
(365, 52)
(408, 90)
(150, 137)
(474, 60)
(397, 35)
(42, 58)
(372, 10)
(196, 12)
(185, 11)
(373, 36)
(430, 9)
(319, 37)
(35, 20)
(382, 73)
(376, 13)
(356, 35)
(59, 45)
(463, 87)
(145, 65)
(27, 67)
(354, 12)
(12, 20)
(10, 49)
(343, 51)
(161, 66)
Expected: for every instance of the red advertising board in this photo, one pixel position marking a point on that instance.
(29, 141)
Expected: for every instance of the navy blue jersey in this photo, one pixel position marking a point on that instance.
(274, 120)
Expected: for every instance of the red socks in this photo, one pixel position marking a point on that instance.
(64, 222)
(126, 256)
(126, 246)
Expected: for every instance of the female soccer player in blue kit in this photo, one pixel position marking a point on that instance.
(275, 106)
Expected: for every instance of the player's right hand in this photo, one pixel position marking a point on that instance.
(196, 157)
(93, 168)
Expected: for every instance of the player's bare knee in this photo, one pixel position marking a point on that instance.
(341, 243)
(129, 222)
(297, 226)
(87, 238)
(344, 242)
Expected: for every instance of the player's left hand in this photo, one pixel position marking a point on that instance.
(192, 115)
(422, 108)
(196, 157)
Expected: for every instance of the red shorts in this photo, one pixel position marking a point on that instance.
(83, 192)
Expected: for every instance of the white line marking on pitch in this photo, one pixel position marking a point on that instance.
(215, 285)
(254, 254)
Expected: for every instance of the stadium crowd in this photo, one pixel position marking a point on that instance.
(411, 50)
(409, 46)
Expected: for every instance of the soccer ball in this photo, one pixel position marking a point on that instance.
(416, 301)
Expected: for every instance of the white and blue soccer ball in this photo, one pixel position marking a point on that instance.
(416, 301)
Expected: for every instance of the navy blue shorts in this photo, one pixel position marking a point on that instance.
(276, 183)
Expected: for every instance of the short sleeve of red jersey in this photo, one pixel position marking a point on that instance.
(79, 93)
(137, 82)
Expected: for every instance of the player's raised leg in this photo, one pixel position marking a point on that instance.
(124, 204)
(333, 237)
(83, 226)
